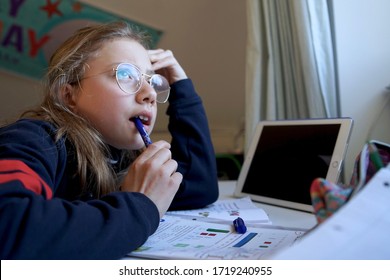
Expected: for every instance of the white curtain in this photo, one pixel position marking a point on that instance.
(290, 71)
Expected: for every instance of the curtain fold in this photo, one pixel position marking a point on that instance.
(290, 71)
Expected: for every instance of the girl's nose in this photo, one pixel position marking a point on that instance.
(146, 93)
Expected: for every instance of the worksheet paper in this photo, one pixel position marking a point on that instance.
(227, 210)
(178, 238)
(360, 230)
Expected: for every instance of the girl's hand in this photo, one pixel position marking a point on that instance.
(164, 63)
(154, 174)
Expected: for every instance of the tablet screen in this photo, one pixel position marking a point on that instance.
(285, 159)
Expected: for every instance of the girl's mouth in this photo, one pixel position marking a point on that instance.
(144, 119)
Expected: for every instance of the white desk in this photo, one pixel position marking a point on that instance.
(279, 216)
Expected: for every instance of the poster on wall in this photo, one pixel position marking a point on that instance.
(31, 30)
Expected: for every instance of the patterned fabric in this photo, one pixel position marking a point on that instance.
(327, 197)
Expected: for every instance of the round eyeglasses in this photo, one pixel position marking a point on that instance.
(129, 79)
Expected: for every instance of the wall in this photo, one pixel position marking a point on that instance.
(207, 37)
(363, 50)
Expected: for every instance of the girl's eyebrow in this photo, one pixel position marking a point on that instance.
(149, 72)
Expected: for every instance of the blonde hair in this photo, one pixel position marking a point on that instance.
(67, 66)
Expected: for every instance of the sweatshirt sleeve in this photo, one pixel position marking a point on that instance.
(34, 224)
(192, 148)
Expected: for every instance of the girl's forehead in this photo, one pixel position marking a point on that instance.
(122, 50)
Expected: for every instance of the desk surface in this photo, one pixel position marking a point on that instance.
(279, 216)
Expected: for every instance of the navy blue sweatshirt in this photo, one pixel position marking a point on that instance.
(43, 216)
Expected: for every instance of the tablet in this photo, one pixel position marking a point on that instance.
(285, 156)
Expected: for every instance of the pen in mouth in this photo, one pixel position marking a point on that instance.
(141, 129)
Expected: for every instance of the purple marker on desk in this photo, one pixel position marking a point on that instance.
(142, 131)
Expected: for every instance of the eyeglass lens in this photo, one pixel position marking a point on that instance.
(130, 80)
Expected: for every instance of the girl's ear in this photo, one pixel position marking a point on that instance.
(69, 96)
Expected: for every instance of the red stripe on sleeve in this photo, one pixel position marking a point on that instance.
(16, 170)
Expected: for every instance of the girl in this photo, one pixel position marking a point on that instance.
(75, 179)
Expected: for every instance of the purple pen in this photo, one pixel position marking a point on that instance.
(142, 131)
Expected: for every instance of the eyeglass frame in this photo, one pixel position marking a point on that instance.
(145, 76)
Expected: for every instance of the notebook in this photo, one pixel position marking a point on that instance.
(285, 156)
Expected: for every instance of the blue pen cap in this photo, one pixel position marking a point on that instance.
(239, 225)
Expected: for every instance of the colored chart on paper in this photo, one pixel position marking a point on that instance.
(178, 238)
